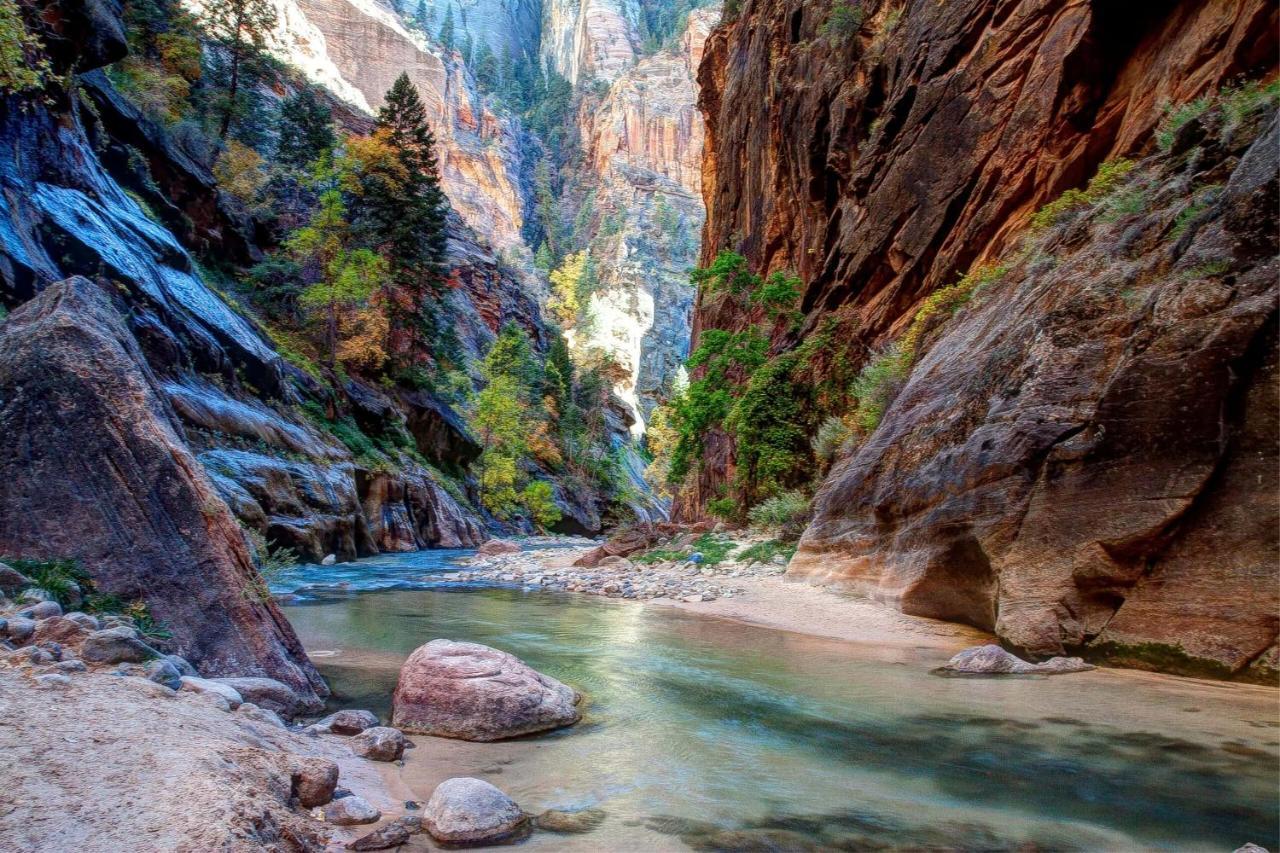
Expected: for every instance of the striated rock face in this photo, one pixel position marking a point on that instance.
(91, 455)
(587, 40)
(1076, 460)
(643, 144)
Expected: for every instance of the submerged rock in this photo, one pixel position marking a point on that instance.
(463, 810)
(570, 823)
(474, 692)
(392, 835)
(993, 660)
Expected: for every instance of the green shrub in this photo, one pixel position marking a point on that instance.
(876, 386)
(22, 63)
(271, 562)
(763, 552)
(946, 299)
(538, 500)
(726, 508)
(713, 548)
(844, 20)
(59, 578)
(830, 441)
(786, 512)
(1176, 118)
(1106, 181)
(769, 423)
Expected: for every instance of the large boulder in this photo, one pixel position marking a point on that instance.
(96, 469)
(313, 781)
(473, 692)
(12, 581)
(348, 722)
(350, 811)
(463, 810)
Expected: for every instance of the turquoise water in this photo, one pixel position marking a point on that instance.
(706, 734)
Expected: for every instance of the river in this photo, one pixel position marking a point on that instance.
(707, 734)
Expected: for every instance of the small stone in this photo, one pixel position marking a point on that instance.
(12, 581)
(392, 835)
(58, 629)
(313, 781)
(778, 560)
(33, 655)
(1250, 847)
(463, 810)
(379, 743)
(350, 811)
(495, 547)
(161, 671)
(262, 715)
(266, 693)
(329, 560)
(114, 645)
(53, 680)
(41, 610)
(993, 660)
(20, 629)
(348, 722)
(84, 620)
(193, 684)
(71, 666)
(182, 665)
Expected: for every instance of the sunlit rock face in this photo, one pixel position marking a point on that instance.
(590, 39)
(643, 145)
(357, 48)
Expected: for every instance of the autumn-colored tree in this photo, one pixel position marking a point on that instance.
(566, 286)
(500, 423)
(341, 278)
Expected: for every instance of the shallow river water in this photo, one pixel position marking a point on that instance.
(712, 735)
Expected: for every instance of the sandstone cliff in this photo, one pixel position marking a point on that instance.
(642, 149)
(1077, 460)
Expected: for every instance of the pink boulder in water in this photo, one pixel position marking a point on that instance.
(472, 692)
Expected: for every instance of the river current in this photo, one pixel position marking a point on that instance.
(706, 734)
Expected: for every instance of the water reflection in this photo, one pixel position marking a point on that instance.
(713, 735)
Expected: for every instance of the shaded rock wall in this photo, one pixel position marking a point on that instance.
(94, 467)
(1065, 457)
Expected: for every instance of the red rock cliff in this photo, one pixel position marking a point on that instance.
(1085, 456)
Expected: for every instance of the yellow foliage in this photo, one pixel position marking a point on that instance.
(543, 445)
(239, 172)
(362, 341)
(565, 303)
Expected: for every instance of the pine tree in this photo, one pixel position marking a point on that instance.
(486, 68)
(239, 28)
(306, 129)
(420, 16)
(446, 29)
(468, 49)
(408, 218)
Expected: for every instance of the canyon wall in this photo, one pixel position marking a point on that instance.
(642, 146)
(1084, 457)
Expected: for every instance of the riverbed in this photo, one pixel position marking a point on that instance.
(706, 733)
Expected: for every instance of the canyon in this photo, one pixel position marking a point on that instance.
(1067, 462)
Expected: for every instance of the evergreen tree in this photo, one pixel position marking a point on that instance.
(446, 29)
(407, 218)
(486, 68)
(306, 129)
(468, 49)
(420, 16)
(239, 28)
